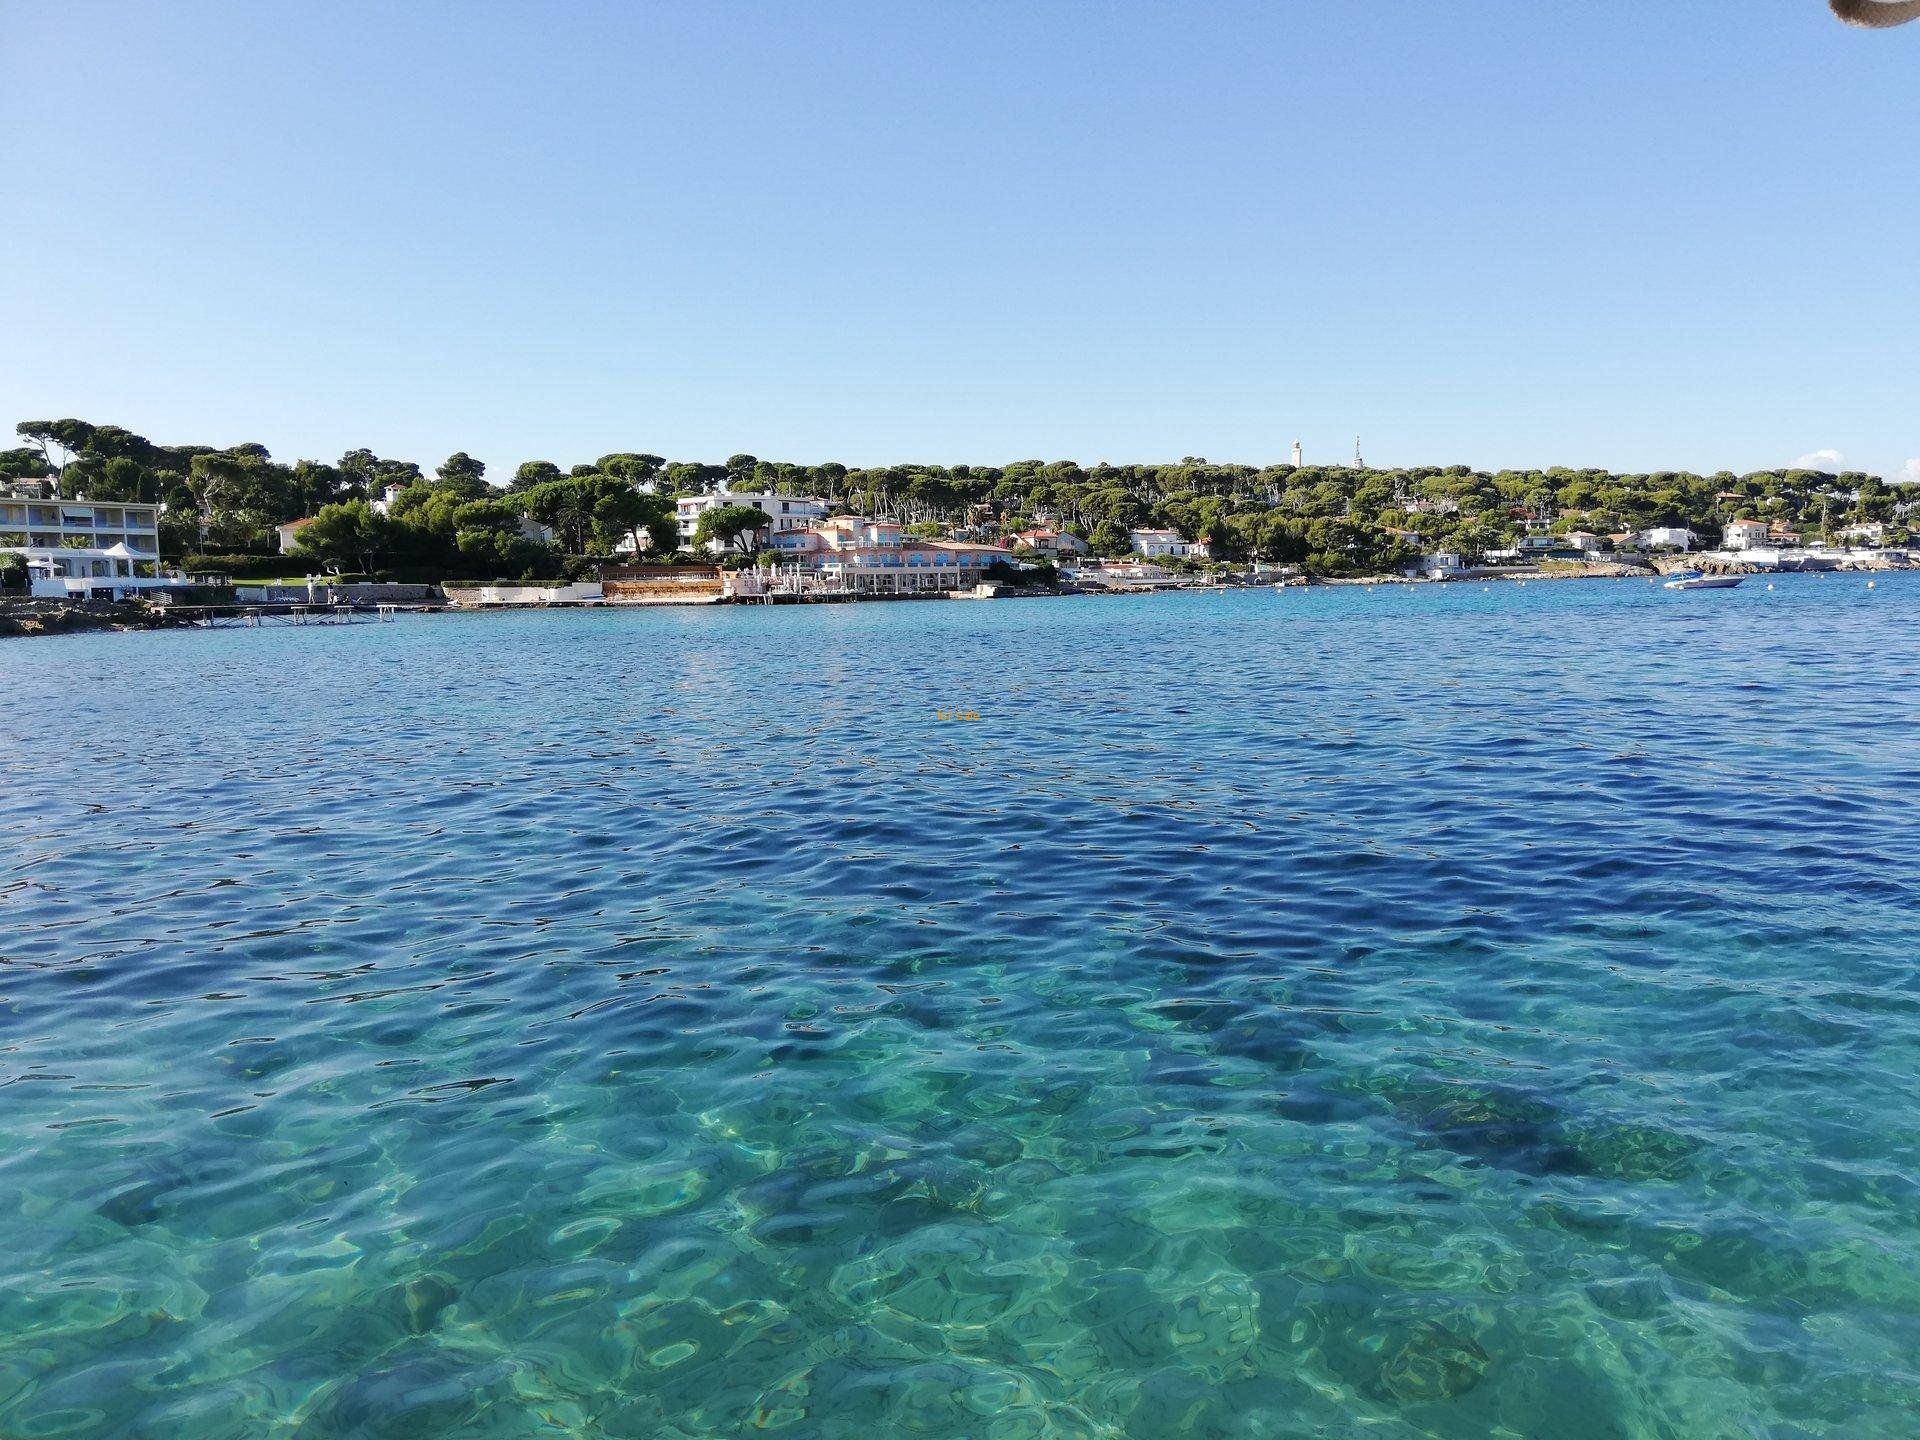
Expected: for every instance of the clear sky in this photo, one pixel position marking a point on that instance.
(1492, 232)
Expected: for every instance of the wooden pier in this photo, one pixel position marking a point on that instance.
(216, 617)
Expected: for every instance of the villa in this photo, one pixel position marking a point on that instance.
(1167, 544)
(81, 549)
(1050, 543)
(1665, 537)
(1744, 534)
(869, 557)
(785, 513)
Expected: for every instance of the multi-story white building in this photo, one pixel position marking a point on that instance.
(81, 549)
(1744, 534)
(869, 557)
(785, 512)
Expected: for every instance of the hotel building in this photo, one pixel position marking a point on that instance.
(81, 549)
(869, 557)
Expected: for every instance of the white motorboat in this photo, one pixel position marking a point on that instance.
(1699, 580)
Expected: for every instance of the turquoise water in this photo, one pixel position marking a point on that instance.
(1327, 1013)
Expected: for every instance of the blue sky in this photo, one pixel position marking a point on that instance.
(1492, 232)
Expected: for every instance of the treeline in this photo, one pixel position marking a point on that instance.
(1332, 519)
(222, 506)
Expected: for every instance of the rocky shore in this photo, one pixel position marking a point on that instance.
(65, 617)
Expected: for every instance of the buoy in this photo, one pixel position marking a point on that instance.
(1869, 584)
(1769, 587)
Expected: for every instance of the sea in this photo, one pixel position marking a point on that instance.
(1349, 1013)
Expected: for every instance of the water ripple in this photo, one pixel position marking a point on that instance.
(1279, 1014)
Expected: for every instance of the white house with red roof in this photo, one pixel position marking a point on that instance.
(288, 534)
(1049, 543)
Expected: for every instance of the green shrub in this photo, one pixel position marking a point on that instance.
(245, 565)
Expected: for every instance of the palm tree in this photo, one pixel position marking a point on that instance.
(1876, 14)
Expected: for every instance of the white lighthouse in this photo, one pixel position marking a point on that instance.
(1296, 454)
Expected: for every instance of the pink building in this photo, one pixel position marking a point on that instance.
(870, 557)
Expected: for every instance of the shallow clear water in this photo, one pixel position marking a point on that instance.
(1326, 1013)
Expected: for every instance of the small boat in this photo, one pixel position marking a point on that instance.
(1700, 580)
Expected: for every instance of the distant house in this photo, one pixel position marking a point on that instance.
(1585, 541)
(288, 535)
(1167, 544)
(1666, 537)
(1440, 565)
(531, 529)
(1744, 534)
(388, 494)
(1050, 543)
(1867, 532)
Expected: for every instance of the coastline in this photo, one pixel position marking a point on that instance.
(22, 618)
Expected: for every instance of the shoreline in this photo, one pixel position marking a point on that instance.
(22, 618)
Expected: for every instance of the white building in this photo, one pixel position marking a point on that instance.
(288, 535)
(1660, 537)
(82, 549)
(1744, 534)
(1441, 565)
(1167, 544)
(388, 494)
(786, 512)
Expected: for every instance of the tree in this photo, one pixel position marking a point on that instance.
(1109, 539)
(534, 472)
(461, 468)
(26, 463)
(68, 437)
(622, 513)
(367, 472)
(634, 469)
(347, 533)
(212, 482)
(566, 507)
(736, 526)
